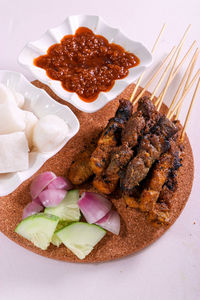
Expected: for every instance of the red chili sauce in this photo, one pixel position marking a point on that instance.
(86, 64)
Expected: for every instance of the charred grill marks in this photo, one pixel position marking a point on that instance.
(150, 149)
(110, 137)
(130, 136)
(80, 170)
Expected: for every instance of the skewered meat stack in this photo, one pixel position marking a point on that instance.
(126, 151)
(141, 120)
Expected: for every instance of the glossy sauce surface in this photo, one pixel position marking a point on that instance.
(86, 64)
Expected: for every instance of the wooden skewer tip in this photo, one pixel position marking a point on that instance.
(190, 109)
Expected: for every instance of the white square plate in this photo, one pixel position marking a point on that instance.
(41, 104)
(98, 26)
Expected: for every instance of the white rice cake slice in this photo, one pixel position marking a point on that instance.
(14, 152)
(30, 121)
(6, 95)
(11, 118)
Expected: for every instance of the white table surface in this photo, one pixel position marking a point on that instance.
(170, 268)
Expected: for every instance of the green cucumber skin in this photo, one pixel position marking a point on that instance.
(32, 217)
(81, 238)
(38, 229)
(71, 223)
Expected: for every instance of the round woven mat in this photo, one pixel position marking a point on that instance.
(136, 233)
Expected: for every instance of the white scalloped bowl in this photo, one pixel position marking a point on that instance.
(98, 26)
(41, 104)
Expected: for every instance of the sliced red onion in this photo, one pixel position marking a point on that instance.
(40, 183)
(93, 206)
(110, 222)
(51, 198)
(31, 208)
(37, 200)
(60, 183)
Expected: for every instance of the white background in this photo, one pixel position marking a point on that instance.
(170, 268)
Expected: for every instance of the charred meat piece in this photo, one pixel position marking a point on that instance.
(159, 216)
(111, 133)
(157, 212)
(165, 127)
(105, 185)
(146, 111)
(150, 195)
(150, 149)
(80, 170)
(110, 137)
(133, 129)
(100, 158)
(131, 201)
(146, 106)
(107, 182)
(139, 166)
(115, 125)
(124, 110)
(120, 158)
(171, 182)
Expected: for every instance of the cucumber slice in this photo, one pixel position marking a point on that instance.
(55, 239)
(38, 229)
(81, 237)
(68, 209)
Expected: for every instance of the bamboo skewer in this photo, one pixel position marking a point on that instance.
(162, 77)
(170, 114)
(168, 80)
(173, 72)
(173, 67)
(190, 74)
(152, 51)
(190, 109)
(177, 69)
(188, 79)
(153, 77)
(184, 58)
(158, 38)
(193, 60)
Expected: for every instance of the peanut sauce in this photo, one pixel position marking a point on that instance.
(86, 64)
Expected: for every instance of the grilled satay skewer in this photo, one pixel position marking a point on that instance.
(110, 137)
(162, 181)
(81, 169)
(138, 168)
(150, 149)
(147, 201)
(158, 214)
(150, 195)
